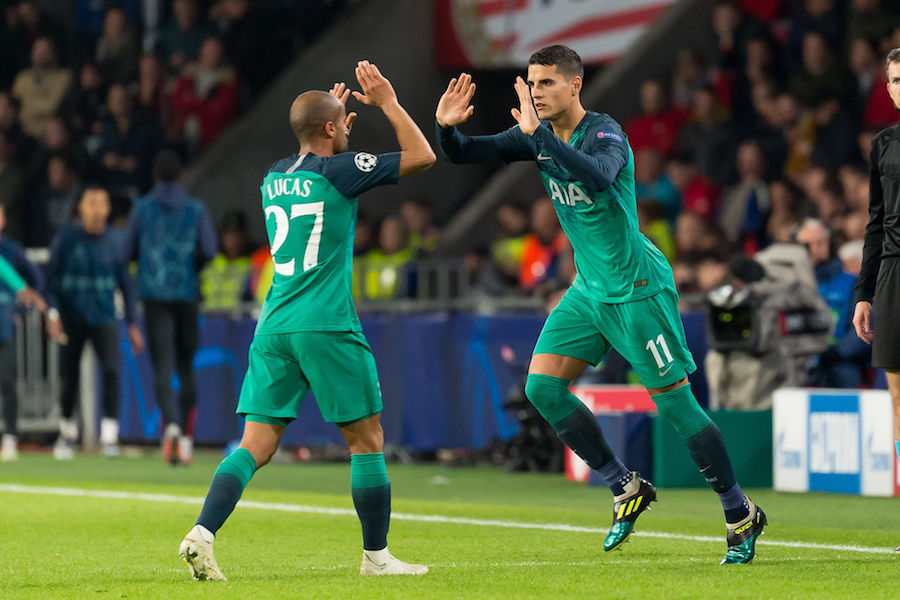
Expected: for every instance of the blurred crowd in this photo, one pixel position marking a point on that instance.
(92, 90)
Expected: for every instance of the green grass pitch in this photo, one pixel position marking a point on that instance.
(124, 545)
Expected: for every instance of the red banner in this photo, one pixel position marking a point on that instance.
(504, 33)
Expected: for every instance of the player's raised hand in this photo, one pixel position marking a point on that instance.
(376, 89)
(455, 106)
(526, 116)
(342, 93)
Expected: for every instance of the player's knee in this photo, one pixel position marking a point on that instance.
(262, 452)
(681, 410)
(550, 396)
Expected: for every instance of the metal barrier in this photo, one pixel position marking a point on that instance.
(435, 284)
(37, 369)
(427, 285)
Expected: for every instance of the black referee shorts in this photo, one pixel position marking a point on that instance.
(886, 306)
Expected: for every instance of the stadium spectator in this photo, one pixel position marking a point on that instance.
(182, 36)
(153, 93)
(657, 125)
(652, 183)
(761, 66)
(83, 273)
(14, 254)
(171, 236)
(708, 137)
(868, 20)
(746, 205)
(384, 268)
(542, 247)
(843, 364)
(223, 281)
(689, 75)
(55, 203)
(90, 18)
(418, 218)
(118, 49)
(84, 105)
(363, 239)
(129, 142)
(261, 270)
(508, 249)
(18, 145)
(57, 139)
(205, 98)
(812, 16)
(834, 145)
(12, 187)
(820, 75)
(878, 111)
(732, 28)
(41, 88)
(787, 207)
(25, 22)
(494, 270)
(656, 227)
(698, 194)
(242, 26)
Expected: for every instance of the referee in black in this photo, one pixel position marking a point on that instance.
(879, 279)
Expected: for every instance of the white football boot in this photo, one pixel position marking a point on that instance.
(381, 562)
(185, 449)
(109, 437)
(9, 451)
(197, 552)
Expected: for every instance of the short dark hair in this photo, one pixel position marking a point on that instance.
(167, 166)
(563, 58)
(892, 57)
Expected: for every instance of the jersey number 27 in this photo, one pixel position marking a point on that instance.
(282, 229)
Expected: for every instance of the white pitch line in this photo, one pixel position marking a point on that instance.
(321, 510)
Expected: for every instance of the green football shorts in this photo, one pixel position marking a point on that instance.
(337, 366)
(648, 333)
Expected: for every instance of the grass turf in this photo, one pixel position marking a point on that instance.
(76, 547)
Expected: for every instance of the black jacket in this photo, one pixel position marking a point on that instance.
(883, 231)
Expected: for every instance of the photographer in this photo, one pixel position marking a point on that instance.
(766, 321)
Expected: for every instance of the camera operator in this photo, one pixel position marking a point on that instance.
(766, 322)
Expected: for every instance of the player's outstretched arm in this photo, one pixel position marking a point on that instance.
(454, 108)
(596, 170)
(416, 154)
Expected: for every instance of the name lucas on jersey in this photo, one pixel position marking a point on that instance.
(292, 187)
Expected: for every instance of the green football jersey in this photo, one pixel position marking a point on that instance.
(310, 206)
(590, 181)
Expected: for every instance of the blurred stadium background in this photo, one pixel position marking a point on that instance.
(747, 119)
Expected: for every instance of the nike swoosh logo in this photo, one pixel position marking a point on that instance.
(543, 156)
(661, 373)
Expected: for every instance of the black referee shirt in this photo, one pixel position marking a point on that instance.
(883, 231)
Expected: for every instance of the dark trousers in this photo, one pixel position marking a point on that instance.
(172, 338)
(8, 396)
(105, 340)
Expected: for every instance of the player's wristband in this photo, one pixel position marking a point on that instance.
(52, 314)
